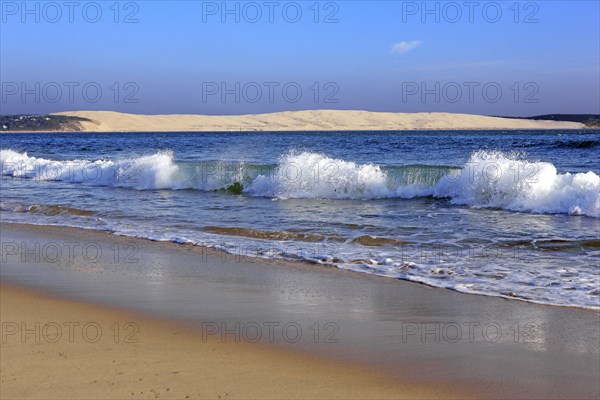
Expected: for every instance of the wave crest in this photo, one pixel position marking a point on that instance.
(157, 171)
(489, 179)
(313, 175)
(499, 180)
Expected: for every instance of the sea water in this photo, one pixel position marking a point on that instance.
(503, 213)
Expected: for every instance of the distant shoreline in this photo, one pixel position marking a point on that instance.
(295, 121)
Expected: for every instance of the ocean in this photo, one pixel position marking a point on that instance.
(514, 214)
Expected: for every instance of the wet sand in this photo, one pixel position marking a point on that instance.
(410, 338)
(82, 351)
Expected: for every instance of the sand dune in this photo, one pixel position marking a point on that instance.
(314, 120)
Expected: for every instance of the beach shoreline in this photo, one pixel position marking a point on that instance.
(292, 263)
(371, 314)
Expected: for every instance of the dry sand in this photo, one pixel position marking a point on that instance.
(313, 120)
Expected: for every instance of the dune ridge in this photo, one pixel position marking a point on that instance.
(310, 120)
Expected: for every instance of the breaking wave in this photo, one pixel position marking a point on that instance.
(489, 179)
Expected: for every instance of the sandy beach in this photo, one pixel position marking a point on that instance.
(392, 339)
(312, 120)
(85, 351)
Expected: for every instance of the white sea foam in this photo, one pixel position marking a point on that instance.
(157, 171)
(498, 180)
(487, 180)
(313, 175)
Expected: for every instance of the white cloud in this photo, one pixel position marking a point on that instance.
(404, 47)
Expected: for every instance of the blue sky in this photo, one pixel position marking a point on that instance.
(494, 58)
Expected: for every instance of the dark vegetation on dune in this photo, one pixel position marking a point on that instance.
(42, 123)
(589, 120)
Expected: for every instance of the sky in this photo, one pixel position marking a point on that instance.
(203, 57)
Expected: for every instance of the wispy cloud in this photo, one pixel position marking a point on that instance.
(404, 47)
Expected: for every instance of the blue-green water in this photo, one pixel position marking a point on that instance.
(512, 213)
